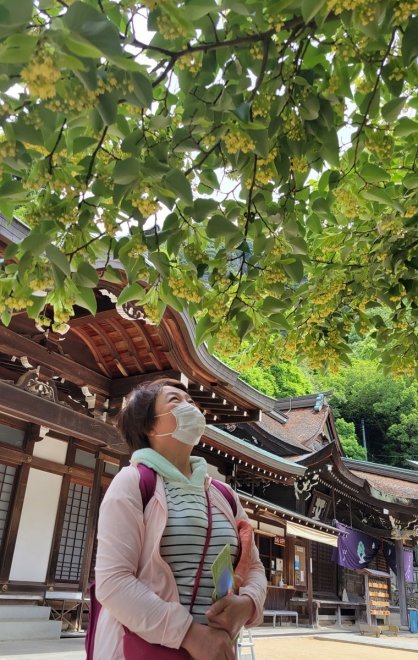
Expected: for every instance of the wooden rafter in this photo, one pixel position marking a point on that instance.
(118, 327)
(93, 350)
(13, 344)
(113, 352)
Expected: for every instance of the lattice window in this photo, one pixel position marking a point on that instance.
(324, 570)
(7, 477)
(71, 550)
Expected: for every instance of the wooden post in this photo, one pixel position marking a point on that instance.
(309, 578)
(16, 505)
(400, 580)
(92, 524)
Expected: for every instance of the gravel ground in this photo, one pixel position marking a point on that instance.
(297, 648)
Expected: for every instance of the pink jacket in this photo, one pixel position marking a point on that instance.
(133, 583)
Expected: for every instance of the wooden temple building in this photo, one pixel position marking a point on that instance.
(59, 450)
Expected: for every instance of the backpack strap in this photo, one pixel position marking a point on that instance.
(147, 483)
(227, 493)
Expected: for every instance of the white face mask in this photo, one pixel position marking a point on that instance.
(190, 423)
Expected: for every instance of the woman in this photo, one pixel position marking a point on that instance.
(147, 560)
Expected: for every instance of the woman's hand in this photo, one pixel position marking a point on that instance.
(206, 643)
(230, 613)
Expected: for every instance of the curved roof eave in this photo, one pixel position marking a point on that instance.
(257, 454)
(209, 362)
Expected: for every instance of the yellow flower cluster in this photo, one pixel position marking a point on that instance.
(411, 211)
(364, 85)
(380, 144)
(397, 74)
(299, 164)
(262, 104)
(405, 9)
(146, 206)
(208, 141)
(152, 316)
(329, 289)
(276, 276)
(227, 342)
(41, 75)
(257, 52)
(347, 203)
(7, 149)
(280, 248)
(170, 29)
(293, 128)
(345, 49)
(15, 303)
(236, 141)
(41, 283)
(182, 287)
(192, 62)
(218, 307)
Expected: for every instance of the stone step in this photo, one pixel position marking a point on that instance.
(24, 613)
(29, 630)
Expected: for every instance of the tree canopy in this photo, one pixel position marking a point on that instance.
(253, 163)
(388, 407)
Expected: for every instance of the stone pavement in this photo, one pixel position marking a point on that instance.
(270, 644)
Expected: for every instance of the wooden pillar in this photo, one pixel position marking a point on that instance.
(92, 524)
(309, 578)
(16, 506)
(400, 579)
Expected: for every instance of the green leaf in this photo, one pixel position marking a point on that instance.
(202, 208)
(111, 275)
(94, 26)
(410, 41)
(218, 226)
(35, 243)
(85, 298)
(87, 275)
(280, 321)
(198, 8)
(406, 127)
(14, 15)
(18, 48)
(272, 305)
(131, 292)
(142, 89)
(382, 196)
(161, 262)
(294, 270)
(126, 171)
(58, 258)
(410, 181)
(179, 185)
(204, 328)
(374, 173)
(391, 109)
(107, 105)
(38, 303)
(310, 8)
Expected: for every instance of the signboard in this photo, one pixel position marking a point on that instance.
(279, 540)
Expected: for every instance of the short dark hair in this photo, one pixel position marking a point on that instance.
(137, 416)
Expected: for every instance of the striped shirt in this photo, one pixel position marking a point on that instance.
(183, 541)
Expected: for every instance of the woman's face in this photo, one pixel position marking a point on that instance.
(167, 398)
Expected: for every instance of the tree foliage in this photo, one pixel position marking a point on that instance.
(388, 407)
(349, 440)
(278, 380)
(253, 163)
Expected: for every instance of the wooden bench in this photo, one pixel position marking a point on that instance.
(331, 605)
(280, 614)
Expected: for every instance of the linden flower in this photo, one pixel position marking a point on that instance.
(41, 76)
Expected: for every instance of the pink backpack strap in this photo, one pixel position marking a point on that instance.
(147, 483)
(227, 493)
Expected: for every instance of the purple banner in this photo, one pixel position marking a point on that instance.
(356, 549)
(389, 552)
